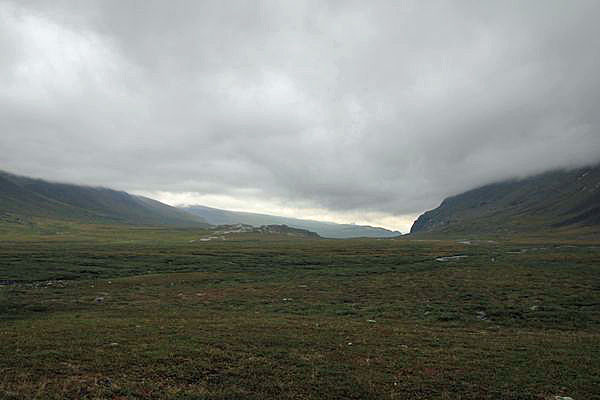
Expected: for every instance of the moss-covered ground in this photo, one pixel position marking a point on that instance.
(140, 313)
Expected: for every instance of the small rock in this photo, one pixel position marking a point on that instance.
(114, 344)
(450, 258)
(533, 308)
(99, 300)
(563, 398)
(371, 321)
(349, 343)
(481, 315)
(105, 381)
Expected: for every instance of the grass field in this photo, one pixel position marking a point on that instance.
(103, 312)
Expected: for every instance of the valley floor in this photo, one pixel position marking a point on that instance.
(143, 314)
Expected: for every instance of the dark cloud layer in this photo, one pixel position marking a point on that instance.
(344, 106)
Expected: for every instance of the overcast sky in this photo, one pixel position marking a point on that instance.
(358, 111)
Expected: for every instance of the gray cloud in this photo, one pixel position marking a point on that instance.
(344, 106)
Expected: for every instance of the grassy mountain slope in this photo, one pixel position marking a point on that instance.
(326, 229)
(22, 198)
(557, 199)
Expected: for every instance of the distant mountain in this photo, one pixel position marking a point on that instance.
(557, 199)
(23, 198)
(217, 216)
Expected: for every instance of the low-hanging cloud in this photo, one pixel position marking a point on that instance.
(347, 107)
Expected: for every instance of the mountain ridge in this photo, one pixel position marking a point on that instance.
(543, 202)
(24, 197)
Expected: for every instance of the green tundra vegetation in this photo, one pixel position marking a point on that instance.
(123, 312)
